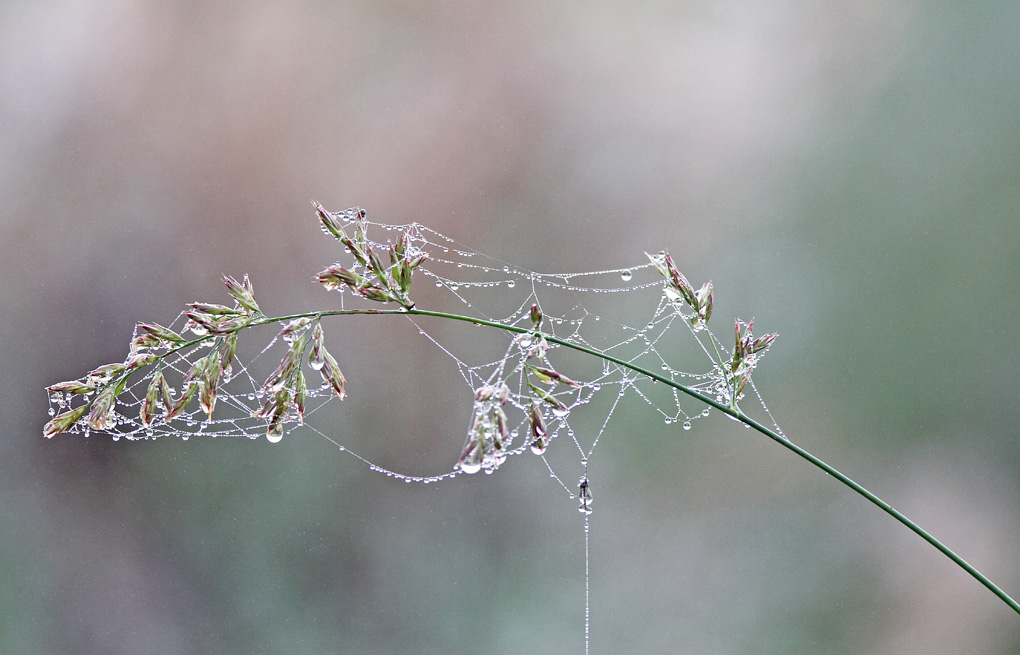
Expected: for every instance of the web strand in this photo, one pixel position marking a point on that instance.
(622, 312)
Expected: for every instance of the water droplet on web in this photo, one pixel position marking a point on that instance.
(626, 276)
(439, 283)
(687, 425)
(668, 420)
(585, 494)
(560, 412)
(51, 411)
(704, 412)
(510, 284)
(454, 287)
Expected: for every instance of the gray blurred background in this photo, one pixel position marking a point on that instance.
(846, 172)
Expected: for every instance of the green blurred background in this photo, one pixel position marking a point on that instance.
(845, 172)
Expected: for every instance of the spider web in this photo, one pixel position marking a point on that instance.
(621, 312)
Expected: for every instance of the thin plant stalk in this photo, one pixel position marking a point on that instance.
(733, 412)
(118, 381)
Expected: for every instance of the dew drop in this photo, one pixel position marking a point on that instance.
(626, 276)
(585, 495)
(560, 412)
(687, 425)
(510, 284)
(704, 412)
(669, 420)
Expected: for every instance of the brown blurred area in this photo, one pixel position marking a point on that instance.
(845, 172)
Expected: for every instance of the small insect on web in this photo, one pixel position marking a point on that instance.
(560, 344)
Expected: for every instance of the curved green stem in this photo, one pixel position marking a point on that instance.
(729, 411)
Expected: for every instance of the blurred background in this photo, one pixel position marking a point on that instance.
(848, 173)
